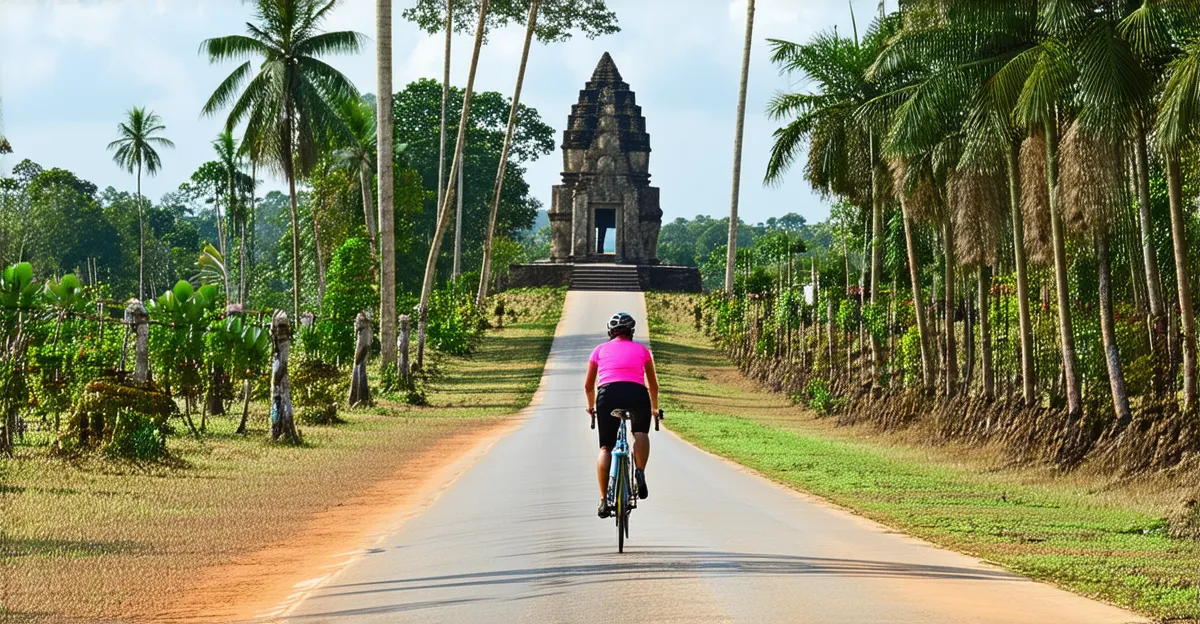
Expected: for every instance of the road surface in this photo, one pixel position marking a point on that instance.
(516, 539)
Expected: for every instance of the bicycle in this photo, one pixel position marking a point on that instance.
(620, 480)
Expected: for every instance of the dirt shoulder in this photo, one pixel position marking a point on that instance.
(232, 526)
(1095, 534)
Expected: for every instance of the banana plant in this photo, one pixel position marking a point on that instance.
(18, 290)
(183, 305)
(65, 294)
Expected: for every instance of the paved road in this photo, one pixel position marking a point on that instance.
(516, 539)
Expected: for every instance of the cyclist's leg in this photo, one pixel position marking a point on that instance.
(641, 449)
(603, 466)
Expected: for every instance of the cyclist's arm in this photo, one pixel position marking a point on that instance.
(589, 384)
(652, 385)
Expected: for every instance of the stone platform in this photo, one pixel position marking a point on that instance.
(650, 277)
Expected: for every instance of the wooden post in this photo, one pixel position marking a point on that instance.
(360, 392)
(282, 423)
(402, 361)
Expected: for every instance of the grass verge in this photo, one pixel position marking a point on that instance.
(91, 538)
(1083, 532)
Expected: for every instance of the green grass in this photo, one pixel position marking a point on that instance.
(1093, 540)
(92, 538)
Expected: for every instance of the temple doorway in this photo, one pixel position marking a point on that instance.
(606, 221)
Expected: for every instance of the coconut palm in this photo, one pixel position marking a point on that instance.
(731, 251)
(292, 98)
(135, 152)
(358, 155)
(1177, 125)
(230, 159)
(842, 132)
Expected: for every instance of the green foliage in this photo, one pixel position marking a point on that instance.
(135, 436)
(820, 399)
(453, 320)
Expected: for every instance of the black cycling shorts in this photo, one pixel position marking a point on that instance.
(625, 395)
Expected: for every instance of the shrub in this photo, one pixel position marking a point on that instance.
(453, 321)
(350, 289)
(819, 396)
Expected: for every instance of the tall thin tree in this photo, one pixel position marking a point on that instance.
(386, 156)
(739, 130)
(135, 152)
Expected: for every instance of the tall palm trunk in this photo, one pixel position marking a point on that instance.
(951, 367)
(877, 200)
(385, 162)
(1065, 328)
(141, 236)
(290, 173)
(364, 180)
(320, 259)
(927, 368)
(485, 272)
(443, 222)
(985, 333)
(1158, 342)
(243, 260)
(1183, 277)
(731, 251)
(1112, 357)
(1028, 373)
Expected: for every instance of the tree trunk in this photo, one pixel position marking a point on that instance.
(1028, 374)
(877, 200)
(368, 210)
(245, 406)
(141, 236)
(435, 246)
(985, 333)
(441, 181)
(951, 368)
(456, 272)
(244, 260)
(1158, 324)
(1112, 358)
(385, 164)
(1065, 331)
(290, 173)
(485, 272)
(927, 368)
(319, 258)
(1183, 278)
(739, 130)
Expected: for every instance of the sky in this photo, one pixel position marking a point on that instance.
(70, 69)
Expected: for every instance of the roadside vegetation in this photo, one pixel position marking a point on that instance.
(1126, 540)
(93, 536)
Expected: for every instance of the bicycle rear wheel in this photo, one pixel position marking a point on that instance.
(622, 509)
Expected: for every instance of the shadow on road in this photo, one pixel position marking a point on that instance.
(666, 564)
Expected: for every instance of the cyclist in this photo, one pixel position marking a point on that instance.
(621, 375)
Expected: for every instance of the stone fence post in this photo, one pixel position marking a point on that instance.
(283, 424)
(360, 392)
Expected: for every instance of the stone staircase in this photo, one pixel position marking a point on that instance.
(612, 277)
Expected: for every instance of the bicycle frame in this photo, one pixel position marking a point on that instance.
(621, 462)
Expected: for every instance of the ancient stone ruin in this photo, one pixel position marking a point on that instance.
(605, 217)
(606, 178)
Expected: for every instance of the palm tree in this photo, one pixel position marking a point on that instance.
(385, 157)
(359, 156)
(293, 98)
(731, 251)
(135, 153)
(1178, 124)
(444, 212)
(229, 156)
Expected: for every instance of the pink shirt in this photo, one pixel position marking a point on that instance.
(621, 359)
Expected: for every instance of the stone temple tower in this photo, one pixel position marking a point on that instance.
(606, 189)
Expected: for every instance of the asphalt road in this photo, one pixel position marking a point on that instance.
(516, 539)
